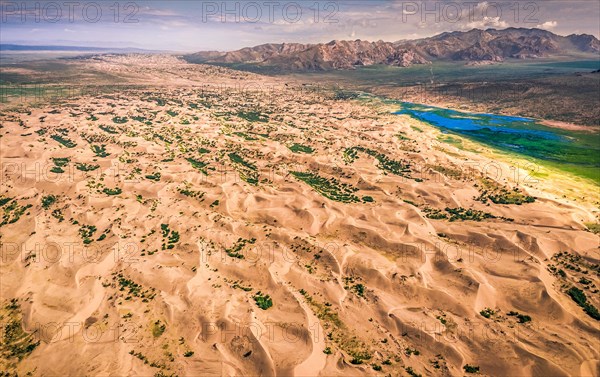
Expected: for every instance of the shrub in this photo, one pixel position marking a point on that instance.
(48, 201)
(471, 368)
(263, 301)
(487, 312)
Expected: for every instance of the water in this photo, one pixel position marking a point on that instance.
(575, 152)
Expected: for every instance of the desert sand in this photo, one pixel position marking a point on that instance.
(222, 223)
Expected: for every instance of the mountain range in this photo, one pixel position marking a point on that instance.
(474, 46)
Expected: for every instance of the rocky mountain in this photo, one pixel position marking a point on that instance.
(332, 55)
(497, 45)
(476, 45)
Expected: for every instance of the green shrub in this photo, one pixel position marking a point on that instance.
(487, 312)
(48, 201)
(471, 368)
(263, 301)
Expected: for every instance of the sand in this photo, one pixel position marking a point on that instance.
(357, 288)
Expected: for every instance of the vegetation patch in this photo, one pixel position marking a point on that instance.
(154, 177)
(198, 165)
(338, 332)
(523, 318)
(234, 251)
(330, 188)
(16, 343)
(263, 301)
(170, 237)
(158, 328)
(12, 211)
(100, 150)
(112, 192)
(593, 227)
(385, 163)
(245, 136)
(61, 161)
(299, 148)
(358, 288)
(120, 120)
(108, 129)
(86, 167)
(487, 312)
(580, 298)
(86, 232)
(253, 116)
(132, 289)
(471, 368)
(64, 141)
(459, 214)
(48, 201)
(247, 171)
(187, 191)
(498, 194)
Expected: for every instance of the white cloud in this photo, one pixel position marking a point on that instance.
(548, 25)
(486, 22)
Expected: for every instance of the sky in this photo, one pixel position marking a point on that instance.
(191, 25)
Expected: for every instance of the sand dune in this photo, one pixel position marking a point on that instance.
(192, 237)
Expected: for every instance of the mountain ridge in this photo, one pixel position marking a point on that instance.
(476, 45)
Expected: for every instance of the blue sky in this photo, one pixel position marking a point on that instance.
(227, 25)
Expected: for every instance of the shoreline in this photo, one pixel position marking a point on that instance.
(546, 164)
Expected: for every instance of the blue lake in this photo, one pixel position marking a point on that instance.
(575, 152)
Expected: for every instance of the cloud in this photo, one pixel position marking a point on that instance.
(548, 25)
(486, 22)
(66, 30)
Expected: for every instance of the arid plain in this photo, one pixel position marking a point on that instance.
(220, 223)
